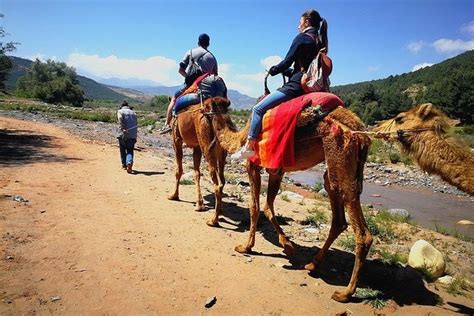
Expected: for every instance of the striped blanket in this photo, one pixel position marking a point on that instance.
(275, 148)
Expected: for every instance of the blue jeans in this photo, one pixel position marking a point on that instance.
(184, 101)
(126, 150)
(180, 90)
(259, 109)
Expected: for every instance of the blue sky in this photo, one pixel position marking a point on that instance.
(143, 41)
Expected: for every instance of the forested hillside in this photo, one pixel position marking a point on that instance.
(449, 85)
(92, 89)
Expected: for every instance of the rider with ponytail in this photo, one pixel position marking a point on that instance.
(312, 37)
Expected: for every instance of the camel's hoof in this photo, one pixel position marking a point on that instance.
(241, 249)
(173, 197)
(212, 223)
(200, 208)
(340, 297)
(310, 266)
(289, 249)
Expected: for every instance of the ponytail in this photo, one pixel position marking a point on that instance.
(323, 33)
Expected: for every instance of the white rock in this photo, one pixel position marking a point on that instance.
(424, 256)
(447, 280)
(465, 222)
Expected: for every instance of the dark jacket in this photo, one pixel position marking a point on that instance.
(302, 51)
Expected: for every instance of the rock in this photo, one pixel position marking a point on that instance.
(399, 211)
(446, 280)
(55, 298)
(323, 192)
(210, 302)
(293, 196)
(19, 198)
(424, 256)
(465, 222)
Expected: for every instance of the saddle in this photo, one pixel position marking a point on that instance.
(275, 147)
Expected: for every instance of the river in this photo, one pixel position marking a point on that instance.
(427, 208)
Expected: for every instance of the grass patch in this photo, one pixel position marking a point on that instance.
(458, 287)
(374, 298)
(347, 243)
(390, 258)
(451, 232)
(318, 187)
(186, 182)
(315, 217)
(285, 197)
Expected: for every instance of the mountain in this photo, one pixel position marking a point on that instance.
(237, 99)
(92, 89)
(448, 84)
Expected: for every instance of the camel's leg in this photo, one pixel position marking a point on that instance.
(197, 154)
(363, 240)
(178, 150)
(338, 222)
(350, 180)
(255, 184)
(216, 169)
(274, 182)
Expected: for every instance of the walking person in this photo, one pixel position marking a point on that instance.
(127, 120)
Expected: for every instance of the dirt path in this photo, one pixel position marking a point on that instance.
(94, 240)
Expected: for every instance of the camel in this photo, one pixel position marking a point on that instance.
(345, 154)
(422, 134)
(194, 129)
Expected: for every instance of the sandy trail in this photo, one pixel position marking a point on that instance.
(106, 242)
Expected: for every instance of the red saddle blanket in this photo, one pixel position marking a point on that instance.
(275, 148)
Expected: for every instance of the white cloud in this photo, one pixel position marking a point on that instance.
(419, 66)
(448, 46)
(158, 69)
(415, 47)
(269, 61)
(373, 68)
(468, 28)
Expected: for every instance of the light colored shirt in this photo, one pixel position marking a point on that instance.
(127, 119)
(207, 62)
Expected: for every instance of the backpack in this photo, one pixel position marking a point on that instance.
(316, 78)
(194, 70)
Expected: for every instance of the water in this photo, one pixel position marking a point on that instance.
(427, 208)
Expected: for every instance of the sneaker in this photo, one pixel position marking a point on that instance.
(242, 153)
(129, 168)
(165, 129)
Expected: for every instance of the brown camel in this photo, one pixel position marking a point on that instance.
(345, 153)
(194, 129)
(422, 134)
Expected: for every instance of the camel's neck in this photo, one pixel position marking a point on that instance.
(447, 159)
(231, 140)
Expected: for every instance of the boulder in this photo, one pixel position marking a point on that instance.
(399, 212)
(424, 256)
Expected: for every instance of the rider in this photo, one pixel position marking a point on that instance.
(311, 38)
(208, 64)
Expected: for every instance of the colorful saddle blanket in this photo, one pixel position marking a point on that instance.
(275, 148)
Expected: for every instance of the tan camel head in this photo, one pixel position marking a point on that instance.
(423, 117)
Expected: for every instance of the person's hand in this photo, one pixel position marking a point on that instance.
(273, 70)
(288, 72)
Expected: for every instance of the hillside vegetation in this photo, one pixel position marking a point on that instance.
(448, 85)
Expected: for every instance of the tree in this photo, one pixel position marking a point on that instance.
(5, 62)
(52, 82)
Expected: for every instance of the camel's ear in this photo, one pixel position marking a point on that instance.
(424, 110)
